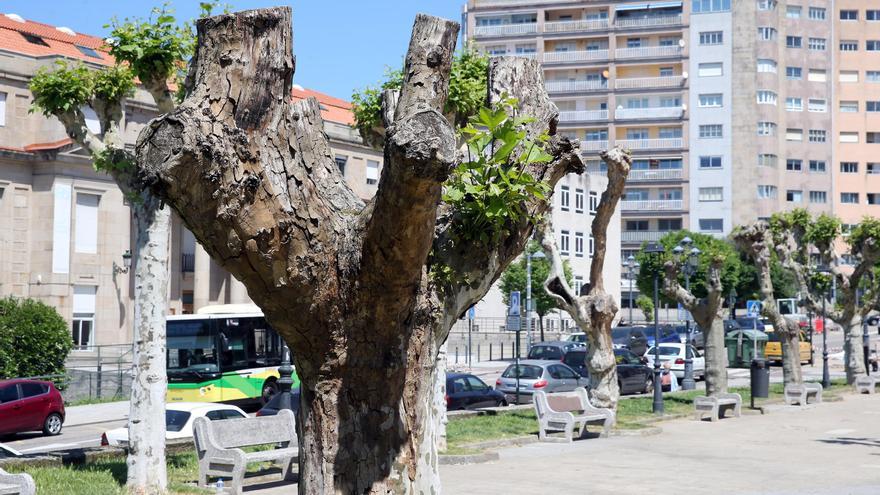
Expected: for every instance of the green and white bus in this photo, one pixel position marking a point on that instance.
(225, 353)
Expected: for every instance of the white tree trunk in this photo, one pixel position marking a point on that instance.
(438, 411)
(854, 357)
(146, 422)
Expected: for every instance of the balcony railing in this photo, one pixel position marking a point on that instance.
(649, 113)
(576, 56)
(507, 29)
(652, 205)
(649, 52)
(640, 22)
(593, 145)
(575, 26)
(652, 144)
(532, 55)
(571, 86)
(652, 175)
(649, 82)
(583, 115)
(641, 235)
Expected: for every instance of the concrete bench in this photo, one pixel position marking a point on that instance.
(16, 484)
(800, 394)
(218, 446)
(564, 412)
(716, 405)
(866, 384)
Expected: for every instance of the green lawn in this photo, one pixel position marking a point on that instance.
(95, 400)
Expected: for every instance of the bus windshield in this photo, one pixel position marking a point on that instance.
(192, 347)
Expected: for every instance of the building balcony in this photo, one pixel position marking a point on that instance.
(655, 175)
(575, 86)
(506, 30)
(648, 113)
(650, 82)
(648, 52)
(593, 145)
(651, 205)
(575, 26)
(576, 56)
(646, 22)
(530, 55)
(652, 144)
(583, 116)
(640, 236)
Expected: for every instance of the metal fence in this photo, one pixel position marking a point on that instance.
(99, 372)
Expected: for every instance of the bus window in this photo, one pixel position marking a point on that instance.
(264, 345)
(191, 347)
(233, 336)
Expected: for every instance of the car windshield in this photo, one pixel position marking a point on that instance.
(191, 347)
(578, 337)
(545, 352)
(526, 371)
(575, 358)
(620, 333)
(665, 351)
(175, 420)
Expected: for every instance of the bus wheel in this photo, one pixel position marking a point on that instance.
(270, 388)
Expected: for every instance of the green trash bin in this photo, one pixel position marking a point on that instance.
(743, 346)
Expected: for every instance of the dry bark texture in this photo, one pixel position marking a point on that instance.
(706, 314)
(594, 311)
(756, 241)
(345, 283)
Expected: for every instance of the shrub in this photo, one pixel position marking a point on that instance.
(34, 339)
(645, 304)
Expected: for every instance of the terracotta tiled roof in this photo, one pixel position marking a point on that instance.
(332, 109)
(33, 148)
(59, 43)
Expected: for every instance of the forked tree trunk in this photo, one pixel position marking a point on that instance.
(146, 419)
(791, 357)
(351, 287)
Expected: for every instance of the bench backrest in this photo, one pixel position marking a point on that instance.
(562, 403)
(245, 432)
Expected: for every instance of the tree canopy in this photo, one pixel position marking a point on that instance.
(34, 339)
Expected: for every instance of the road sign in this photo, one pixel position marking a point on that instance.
(753, 308)
(472, 313)
(683, 314)
(513, 308)
(513, 323)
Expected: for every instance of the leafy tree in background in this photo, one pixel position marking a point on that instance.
(34, 339)
(646, 305)
(514, 279)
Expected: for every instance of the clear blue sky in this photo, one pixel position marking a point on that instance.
(340, 45)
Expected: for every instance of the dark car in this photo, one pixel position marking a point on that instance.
(697, 339)
(30, 405)
(465, 391)
(632, 338)
(668, 335)
(633, 376)
(747, 323)
(730, 325)
(554, 350)
(271, 408)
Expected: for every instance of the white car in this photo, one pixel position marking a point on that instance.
(674, 354)
(179, 420)
(576, 337)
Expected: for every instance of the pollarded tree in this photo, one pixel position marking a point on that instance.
(363, 293)
(757, 242)
(151, 51)
(798, 236)
(594, 311)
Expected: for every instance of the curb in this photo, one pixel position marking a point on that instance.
(453, 460)
(639, 432)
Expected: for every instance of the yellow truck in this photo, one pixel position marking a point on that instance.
(773, 350)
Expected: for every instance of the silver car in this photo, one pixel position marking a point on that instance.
(547, 376)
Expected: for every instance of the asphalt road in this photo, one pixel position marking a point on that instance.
(71, 437)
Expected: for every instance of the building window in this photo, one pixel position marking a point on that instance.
(594, 202)
(793, 104)
(849, 137)
(817, 105)
(849, 167)
(766, 128)
(849, 15)
(767, 192)
(794, 196)
(766, 97)
(767, 160)
(849, 107)
(579, 244)
(793, 42)
(767, 65)
(710, 162)
(818, 197)
(711, 38)
(578, 200)
(872, 45)
(793, 12)
(872, 168)
(794, 73)
(817, 44)
(712, 69)
(668, 133)
(578, 284)
(341, 160)
(667, 224)
(848, 76)
(592, 246)
(669, 194)
(2, 109)
(849, 45)
(83, 323)
(793, 165)
(666, 72)
(372, 172)
(698, 6)
(714, 100)
(817, 135)
(711, 193)
(86, 223)
(872, 137)
(712, 225)
(92, 122)
(817, 13)
(872, 15)
(766, 33)
(849, 198)
(872, 106)
(564, 240)
(564, 198)
(817, 75)
(635, 194)
(873, 198)
(711, 131)
(872, 76)
(766, 4)
(817, 166)
(637, 225)
(794, 134)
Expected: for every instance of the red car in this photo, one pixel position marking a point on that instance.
(30, 405)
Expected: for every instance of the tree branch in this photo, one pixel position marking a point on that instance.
(161, 92)
(556, 285)
(675, 291)
(619, 163)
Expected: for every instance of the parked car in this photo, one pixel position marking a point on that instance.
(576, 337)
(534, 375)
(675, 355)
(632, 338)
(773, 349)
(730, 325)
(30, 405)
(633, 374)
(271, 408)
(750, 323)
(179, 417)
(668, 335)
(465, 391)
(698, 340)
(554, 350)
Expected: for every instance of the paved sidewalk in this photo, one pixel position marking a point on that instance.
(823, 449)
(96, 413)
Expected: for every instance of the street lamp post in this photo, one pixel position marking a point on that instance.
(632, 270)
(655, 248)
(285, 380)
(689, 267)
(826, 376)
(538, 255)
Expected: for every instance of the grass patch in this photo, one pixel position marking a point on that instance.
(94, 400)
(490, 427)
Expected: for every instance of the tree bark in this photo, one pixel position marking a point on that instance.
(349, 286)
(595, 311)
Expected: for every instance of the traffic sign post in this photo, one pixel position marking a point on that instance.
(471, 314)
(513, 314)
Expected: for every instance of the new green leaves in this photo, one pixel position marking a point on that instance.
(62, 89)
(154, 48)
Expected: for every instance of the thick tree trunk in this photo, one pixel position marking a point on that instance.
(146, 420)
(604, 385)
(791, 358)
(715, 355)
(853, 355)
